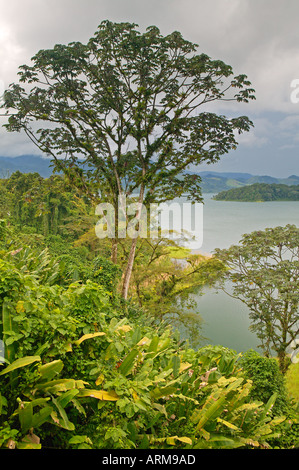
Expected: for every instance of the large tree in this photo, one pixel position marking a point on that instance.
(121, 114)
(264, 274)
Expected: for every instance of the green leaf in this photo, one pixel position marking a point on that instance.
(186, 440)
(128, 363)
(25, 415)
(42, 416)
(154, 344)
(80, 440)
(50, 370)
(171, 440)
(164, 345)
(136, 335)
(223, 442)
(67, 397)
(55, 386)
(3, 402)
(176, 362)
(277, 420)
(64, 422)
(211, 411)
(89, 336)
(78, 406)
(7, 326)
(160, 408)
(99, 394)
(163, 392)
(23, 362)
(227, 424)
(13, 338)
(268, 406)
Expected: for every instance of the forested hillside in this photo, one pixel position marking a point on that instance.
(260, 192)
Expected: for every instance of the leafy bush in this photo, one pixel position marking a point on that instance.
(45, 398)
(268, 379)
(105, 273)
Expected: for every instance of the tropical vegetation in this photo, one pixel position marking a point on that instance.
(83, 368)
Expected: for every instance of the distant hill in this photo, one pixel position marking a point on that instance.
(25, 164)
(260, 192)
(212, 181)
(227, 175)
(216, 182)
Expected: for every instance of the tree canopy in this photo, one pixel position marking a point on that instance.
(264, 271)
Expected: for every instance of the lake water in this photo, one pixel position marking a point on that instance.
(226, 320)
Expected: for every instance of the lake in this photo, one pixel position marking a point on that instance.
(226, 320)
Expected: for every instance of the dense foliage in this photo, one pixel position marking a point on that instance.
(267, 380)
(259, 192)
(85, 369)
(109, 379)
(59, 222)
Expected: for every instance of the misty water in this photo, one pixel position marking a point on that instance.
(226, 320)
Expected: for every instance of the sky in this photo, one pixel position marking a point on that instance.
(259, 38)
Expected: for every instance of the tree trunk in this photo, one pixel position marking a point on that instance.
(129, 269)
(283, 361)
(114, 248)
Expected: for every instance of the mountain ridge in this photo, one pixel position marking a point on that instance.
(212, 181)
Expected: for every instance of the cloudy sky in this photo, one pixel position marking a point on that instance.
(257, 37)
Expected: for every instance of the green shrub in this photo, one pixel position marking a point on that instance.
(106, 273)
(267, 379)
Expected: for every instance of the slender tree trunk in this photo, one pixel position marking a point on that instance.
(114, 249)
(130, 263)
(129, 269)
(282, 356)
